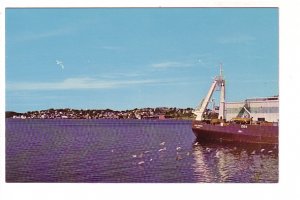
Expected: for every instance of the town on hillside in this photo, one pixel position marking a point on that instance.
(142, 113)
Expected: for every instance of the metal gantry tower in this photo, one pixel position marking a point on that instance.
(219, 82)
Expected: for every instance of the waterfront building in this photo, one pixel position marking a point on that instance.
(259, 109)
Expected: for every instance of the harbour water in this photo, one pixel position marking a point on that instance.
(129, 151)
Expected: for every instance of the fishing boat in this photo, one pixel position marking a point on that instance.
(251, 121)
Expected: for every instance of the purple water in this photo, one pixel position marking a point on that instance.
(125, 151)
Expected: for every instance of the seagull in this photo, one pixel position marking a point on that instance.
(262, 150)
(178, 148)
(162, 144)
(60, 63)
(162, 149)
(134, 156)
(141, 163)
(196, 144)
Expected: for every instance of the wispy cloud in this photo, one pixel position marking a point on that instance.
(61, 30)
(169, 64)
(236, 39)
(29, 36)
(121, 75)
(81, 83)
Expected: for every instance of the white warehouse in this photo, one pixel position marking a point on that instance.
(261, 109)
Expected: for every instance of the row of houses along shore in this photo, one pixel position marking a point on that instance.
(142, 113)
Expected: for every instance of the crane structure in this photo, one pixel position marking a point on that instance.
(218, 82)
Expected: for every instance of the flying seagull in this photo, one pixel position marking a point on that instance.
(60, 63)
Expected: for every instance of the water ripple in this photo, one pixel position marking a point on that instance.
(114, 151)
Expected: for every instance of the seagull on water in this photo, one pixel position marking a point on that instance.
(141, 163)
(178, 148)
(163, 149)
(162, 144)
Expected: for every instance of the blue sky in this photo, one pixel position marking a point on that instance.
(125, 58)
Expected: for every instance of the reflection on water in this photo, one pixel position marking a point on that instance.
(114, 151)
(235, 163)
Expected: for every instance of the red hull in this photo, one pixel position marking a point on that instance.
(259, 134)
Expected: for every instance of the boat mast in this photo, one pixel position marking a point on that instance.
(218, 81)
(222, 95)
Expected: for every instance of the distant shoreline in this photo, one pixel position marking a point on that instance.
(137, 113)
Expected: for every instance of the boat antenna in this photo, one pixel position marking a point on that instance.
(221, 70)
